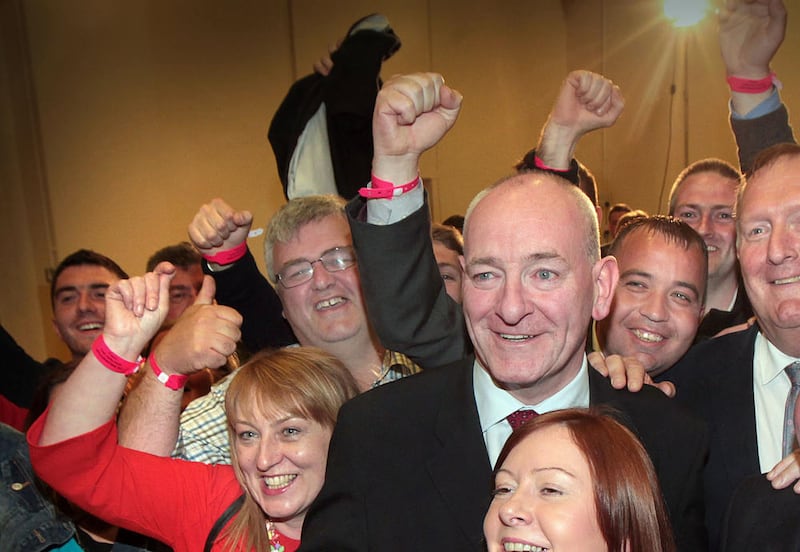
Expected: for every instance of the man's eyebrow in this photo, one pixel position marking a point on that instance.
(308, 260)
(532, 257)
(93, 287)
(65, 289)
(545, 256)
(688, 285)
(642, 274)
(636, 272)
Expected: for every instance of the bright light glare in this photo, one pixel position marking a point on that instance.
(685, 13)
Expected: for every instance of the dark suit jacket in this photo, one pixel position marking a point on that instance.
(408, 468)
(761, 518)
(755, 135)
(715, 381)
(245, 289)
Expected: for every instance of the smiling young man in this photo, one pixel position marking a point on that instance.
(658, 303)
(703, 196)
(77, 293)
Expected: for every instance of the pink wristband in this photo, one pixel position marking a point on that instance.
(173, 381)
(112, 360)
(541, 165)
(753, 86)
(382, 189)
(229, 255)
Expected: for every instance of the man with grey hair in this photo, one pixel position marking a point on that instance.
(310, 260)
(423, 480)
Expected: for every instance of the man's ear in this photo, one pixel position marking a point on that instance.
(605, 275)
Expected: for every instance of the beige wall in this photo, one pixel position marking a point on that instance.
(120, 118)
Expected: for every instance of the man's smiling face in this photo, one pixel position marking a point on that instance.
(529, 285)
(79, 305)
(328, 308)
(768, 220)
(658, 303)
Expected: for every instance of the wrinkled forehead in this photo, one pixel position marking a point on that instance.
(774, 186)
(314, 238)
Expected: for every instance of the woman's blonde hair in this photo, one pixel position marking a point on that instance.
(302, 381)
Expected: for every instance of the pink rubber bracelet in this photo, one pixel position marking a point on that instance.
(382, 189)
(753, 86)
(229, 255)
(112, 360)
(541, 165)
(173, 381)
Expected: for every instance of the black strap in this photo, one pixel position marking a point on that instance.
(221, 521)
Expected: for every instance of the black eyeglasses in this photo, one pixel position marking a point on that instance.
(300, 272)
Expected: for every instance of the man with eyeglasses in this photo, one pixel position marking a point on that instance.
(311, 264)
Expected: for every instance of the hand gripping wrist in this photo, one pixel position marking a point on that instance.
(172, 381)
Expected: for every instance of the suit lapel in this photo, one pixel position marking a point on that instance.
(734, 408)
(460, 469)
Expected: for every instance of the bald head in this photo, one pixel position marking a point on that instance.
(548, 187)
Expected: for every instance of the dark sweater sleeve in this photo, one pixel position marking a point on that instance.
(21, 373)
(755, 135)
(405, 297)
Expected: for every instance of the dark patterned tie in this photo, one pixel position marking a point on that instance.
(519, 417)
(789, 440)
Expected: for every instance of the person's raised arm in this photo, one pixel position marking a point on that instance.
(404, 294)
(750, 33)
(587, 101)
(220, 233)
(202, 338)
(135, 310)
(412, 114)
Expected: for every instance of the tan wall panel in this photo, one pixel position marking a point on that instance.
(149, 109)
(508, 60)
(146, 109)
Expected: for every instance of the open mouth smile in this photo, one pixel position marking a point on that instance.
(648, 337)
(522, 547)
(329, 303)
(789, 280)
(276, 482)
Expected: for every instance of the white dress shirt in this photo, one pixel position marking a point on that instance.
(494, 404)
(771, 388)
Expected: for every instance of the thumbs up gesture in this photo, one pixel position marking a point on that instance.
(203, 337)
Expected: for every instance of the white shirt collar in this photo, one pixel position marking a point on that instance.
(770, 362)
(494, 403)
